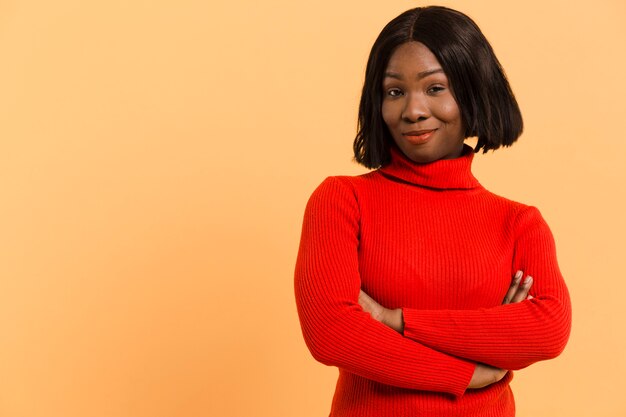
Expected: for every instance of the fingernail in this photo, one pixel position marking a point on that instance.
(518, 275)
(528, 280)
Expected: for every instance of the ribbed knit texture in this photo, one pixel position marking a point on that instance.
(429, 239)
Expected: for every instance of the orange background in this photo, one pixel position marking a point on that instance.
(155, 161)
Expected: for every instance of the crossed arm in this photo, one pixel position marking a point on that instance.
(447, 352)
(335, 328)
(483, 374)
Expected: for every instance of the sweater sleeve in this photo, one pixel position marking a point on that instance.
(510, 336)
(336, 329)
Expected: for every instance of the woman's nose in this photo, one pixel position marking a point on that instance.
(415, 109)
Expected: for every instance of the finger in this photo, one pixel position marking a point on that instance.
(522, 290)
(530, 297)
(513, 288)
(364, 299)
(370, 306)
(367, 303)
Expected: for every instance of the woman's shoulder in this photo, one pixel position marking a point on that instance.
(347, 182)
(341, 191)
(520, 215)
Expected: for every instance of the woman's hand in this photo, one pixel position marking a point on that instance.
(388, 317)
(485, 375)
(518, 291)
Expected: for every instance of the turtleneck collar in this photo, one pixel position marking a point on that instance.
(442, 174)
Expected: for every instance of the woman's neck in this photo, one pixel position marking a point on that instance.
(441, 174)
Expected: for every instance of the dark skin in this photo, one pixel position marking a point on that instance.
(425, 122)
(418, 106)
(484, 375)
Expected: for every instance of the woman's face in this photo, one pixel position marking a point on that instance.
(418, 106)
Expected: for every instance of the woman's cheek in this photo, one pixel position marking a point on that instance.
(449, 110)
(388, 111)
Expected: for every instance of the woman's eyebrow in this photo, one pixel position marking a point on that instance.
(391, 74)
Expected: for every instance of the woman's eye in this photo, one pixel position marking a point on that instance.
(435, 89)
(394, 92)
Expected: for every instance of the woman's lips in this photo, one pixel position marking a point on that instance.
(418, 137)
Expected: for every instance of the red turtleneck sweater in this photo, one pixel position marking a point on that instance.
(429, 239)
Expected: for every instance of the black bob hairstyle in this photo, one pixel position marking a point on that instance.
(487, 104)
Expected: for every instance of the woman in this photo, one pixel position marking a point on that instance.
(420, 236)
